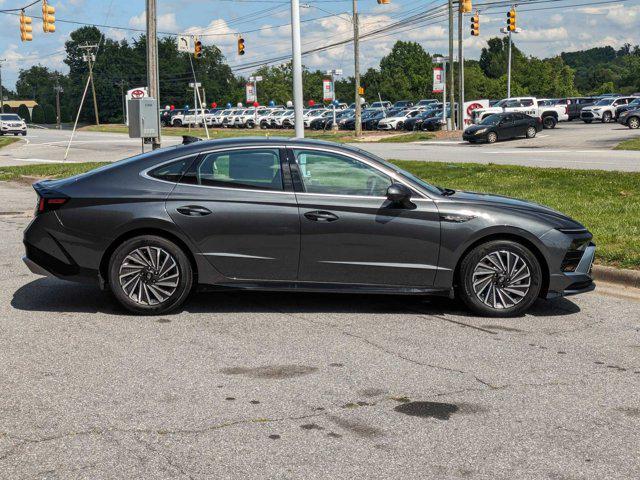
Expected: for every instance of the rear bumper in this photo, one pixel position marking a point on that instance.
(35, 268)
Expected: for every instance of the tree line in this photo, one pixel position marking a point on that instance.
(404, 74)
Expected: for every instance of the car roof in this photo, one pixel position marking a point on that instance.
(204, 145)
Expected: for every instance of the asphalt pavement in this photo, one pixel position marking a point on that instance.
(570, 145)
(263, 385)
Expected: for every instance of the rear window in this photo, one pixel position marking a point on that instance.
(172, 172)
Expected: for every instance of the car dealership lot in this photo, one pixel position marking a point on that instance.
(309, 386)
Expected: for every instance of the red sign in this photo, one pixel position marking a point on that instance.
(137, 94)
(438, 79)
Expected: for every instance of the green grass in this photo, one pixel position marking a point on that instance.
(408, 137)
(631, 144)
(608, 203)
(4, 141)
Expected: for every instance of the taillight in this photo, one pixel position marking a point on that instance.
(48, 204)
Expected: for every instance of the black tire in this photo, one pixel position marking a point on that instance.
(177, 123)
(24, 134)
(549, 122)
(400, 126)
(531, 132)
(492, 137)
(587, 121)
(606, 117)
(147, 306)
(471, 298)
(633, 123)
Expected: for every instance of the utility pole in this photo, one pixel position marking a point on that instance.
(509, 68)
(58, 89)
(121, 84)
(1, 89)
(296, 50)
(90, 57)
(451, 82)
(460, 70)
(152, 59)
(356, 65)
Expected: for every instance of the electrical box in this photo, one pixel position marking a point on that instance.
(144, 118)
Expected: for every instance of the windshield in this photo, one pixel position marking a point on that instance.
(605, 101)
(491, 120)
(10, 117)
(635, 102)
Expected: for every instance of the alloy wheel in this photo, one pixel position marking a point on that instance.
(501, 279)
(634, 122)
(531, 132)
(149, 275)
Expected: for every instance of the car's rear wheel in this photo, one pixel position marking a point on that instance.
(587, 121)
(492, 137)
(549, 122)
(150, 275)
(531, 132)
(633, 122)
(500, 278)
(177, 123)
(606, 117)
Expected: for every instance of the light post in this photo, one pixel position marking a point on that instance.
(296, 61)
(508, 32)
(333, 73)
(255, 81)
(443, 61)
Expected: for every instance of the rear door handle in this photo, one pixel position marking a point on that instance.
(321, 216)
(193, 211)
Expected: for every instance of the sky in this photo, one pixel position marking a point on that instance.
(547, 28)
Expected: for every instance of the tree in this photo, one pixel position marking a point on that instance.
(49, 114)
(37, 115)
(406, 73)
(23, 112)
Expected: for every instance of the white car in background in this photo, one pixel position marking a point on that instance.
(313, 114)
(12, 123)
(192, 118)
(264, 116)
(604, 110)
(397, 121)
(549, 114)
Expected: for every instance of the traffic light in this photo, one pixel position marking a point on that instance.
(25, 28)
(383, 2)
(361, 91)
(475, 25)
(511, 20)
(240, 46)
(48, 17)
(197, 49)
(465, 6)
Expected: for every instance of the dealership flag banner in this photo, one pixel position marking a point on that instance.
(327, 91)
(251, 92)
(438, 80)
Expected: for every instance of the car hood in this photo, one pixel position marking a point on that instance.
(552, 217)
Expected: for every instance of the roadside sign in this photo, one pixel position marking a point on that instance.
(184, 43)
(251, 92)
(328, 94)
(469, 107)
(438, 80)
(137, 93)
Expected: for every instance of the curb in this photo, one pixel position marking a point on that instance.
(620, 276)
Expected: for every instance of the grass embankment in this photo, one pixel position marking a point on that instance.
(608, 203)
(218, 133)
(4, 141)
(631, 144)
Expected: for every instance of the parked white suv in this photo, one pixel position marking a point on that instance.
(190, 118)
(12, 123)
(397, 121)
(604, 110)
(550, 114)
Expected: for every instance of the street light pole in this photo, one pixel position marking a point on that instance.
(450, 79)
(460, 71)
(356, 61)
(1, 90)
(297, 68)
(509, 69)
(333, 73)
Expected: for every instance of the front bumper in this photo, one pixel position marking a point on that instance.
(13, 129)
(590, 115)
(579, 281)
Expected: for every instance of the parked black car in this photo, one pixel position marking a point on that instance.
(433, 122)
(630, 118)
(297, 215)
(633, 105)
(502, 126)
(403, 104)
(416, 122)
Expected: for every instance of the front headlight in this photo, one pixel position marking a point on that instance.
(596, 109)
(480, 131)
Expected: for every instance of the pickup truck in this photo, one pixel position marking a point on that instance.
(549, 114)
(183, 118)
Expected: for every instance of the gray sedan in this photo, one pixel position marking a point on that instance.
(292, 214)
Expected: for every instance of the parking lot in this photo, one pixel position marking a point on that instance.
(310, 386)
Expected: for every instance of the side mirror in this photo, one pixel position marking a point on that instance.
(399, 194)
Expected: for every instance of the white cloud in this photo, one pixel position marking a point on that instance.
(166, 22)
(543, 35)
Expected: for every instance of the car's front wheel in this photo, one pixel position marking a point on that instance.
(150, 275)
(549, 122)
(606, 117)
(492, 137)
(633, 123)
(500, 278)
(177, 123)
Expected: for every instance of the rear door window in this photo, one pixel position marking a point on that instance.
(257, 169)
(172, 172)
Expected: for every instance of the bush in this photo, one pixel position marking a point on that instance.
(37, 114)
(49, 114)
(23, 112)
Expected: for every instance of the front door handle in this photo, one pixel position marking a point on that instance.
(321, 216)
(193, 211)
